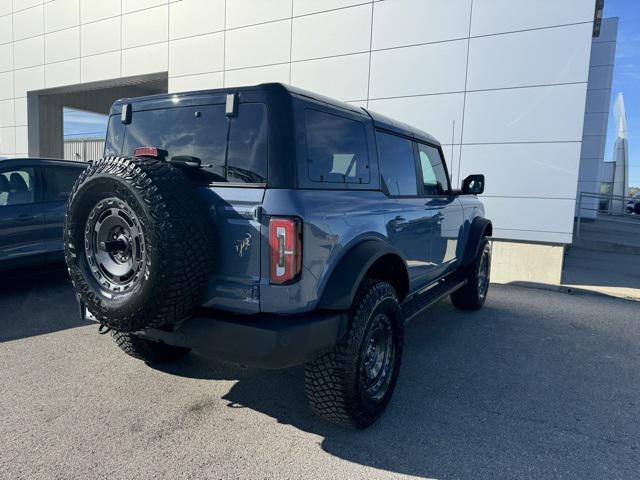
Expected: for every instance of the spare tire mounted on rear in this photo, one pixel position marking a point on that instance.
(138, 243)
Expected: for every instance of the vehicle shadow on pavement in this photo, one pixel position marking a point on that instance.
(37, 302)
(506, 392)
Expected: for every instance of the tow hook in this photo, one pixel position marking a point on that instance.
(102, 329)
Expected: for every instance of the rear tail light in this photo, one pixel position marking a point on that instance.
(285, 243)
(146, 152)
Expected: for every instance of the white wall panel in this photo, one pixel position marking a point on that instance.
(249, 12)
(255, 76)
(62, 45)
(7, 113)
(7, 140)
(332, 33)
(6, 57)
(196, 82)
(100, 67)
(6, 85)
(28, 79)
(195, 17)
(62, 73)
(210, 57)
(24, 4)
(539, 57)
(92, 10)
(258, 45)
(133, 5)
(61, 14)
(304, 7)
(22, 139)
(29, 52)
(524, 170)
(21, 111)
(100, 37)
(6, 29)
(147, 59)
(529, 215)
(425, 69)
(344, 78)
(434, 114)
(145, 27)
(498, 16)
(6, 7)
(398, 23)
(540, 114)
(28, 23)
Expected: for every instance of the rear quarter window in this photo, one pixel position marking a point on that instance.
(336, 148)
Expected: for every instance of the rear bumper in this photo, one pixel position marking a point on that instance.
(266, 341)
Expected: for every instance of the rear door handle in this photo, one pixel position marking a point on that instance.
(399, 223)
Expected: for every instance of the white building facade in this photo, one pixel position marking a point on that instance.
(501, 83)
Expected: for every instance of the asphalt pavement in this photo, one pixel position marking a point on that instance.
(538, 384)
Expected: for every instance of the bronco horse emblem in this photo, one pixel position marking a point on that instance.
(243, 245)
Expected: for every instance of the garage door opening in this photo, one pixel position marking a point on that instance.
(48, 135)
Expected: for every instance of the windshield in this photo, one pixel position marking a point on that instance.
(229, 149)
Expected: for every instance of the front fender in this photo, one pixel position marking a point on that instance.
(480, 227)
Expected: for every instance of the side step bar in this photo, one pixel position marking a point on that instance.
(429, 295)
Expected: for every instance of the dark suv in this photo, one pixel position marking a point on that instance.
(33, 202)
(273, 227)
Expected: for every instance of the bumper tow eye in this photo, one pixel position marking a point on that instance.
(102, 329)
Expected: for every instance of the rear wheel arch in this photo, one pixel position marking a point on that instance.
(369, 258)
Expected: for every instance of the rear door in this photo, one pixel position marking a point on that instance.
(57, 184)
(232, 150)
(21, 218)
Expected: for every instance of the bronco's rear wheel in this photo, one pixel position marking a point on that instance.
(353, 384)
(138, 243)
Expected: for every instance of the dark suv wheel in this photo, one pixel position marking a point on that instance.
(138, 243)
(352, 384)
(478, 274)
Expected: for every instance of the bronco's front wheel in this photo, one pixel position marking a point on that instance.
(353, 384)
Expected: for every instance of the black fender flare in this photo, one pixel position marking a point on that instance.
(343, 283)
(480, 227)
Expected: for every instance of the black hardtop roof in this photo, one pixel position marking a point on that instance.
(285, 92)
(4, 162)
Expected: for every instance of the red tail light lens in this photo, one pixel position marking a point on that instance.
(146, 152)
(285, 243)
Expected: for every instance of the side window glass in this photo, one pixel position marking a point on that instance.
(115, 135)
(247, 150)
(17, 187)
(59, 182)
(336, 148)
(397, 164)
(434, 175)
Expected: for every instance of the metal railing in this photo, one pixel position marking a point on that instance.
(609, 205)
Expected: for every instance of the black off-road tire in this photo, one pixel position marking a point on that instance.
(146, 350)
(335, 382)
(474, 293)
(177, 241)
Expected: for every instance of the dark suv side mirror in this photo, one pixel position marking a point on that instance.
(473, 185)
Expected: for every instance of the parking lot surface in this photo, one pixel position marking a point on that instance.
(538, 384)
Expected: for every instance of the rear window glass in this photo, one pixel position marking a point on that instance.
(336, 148)
(230, 149)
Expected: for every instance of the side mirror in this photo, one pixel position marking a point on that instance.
(473, 185)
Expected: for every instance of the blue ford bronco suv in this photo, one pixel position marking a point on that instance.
(271, 227)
